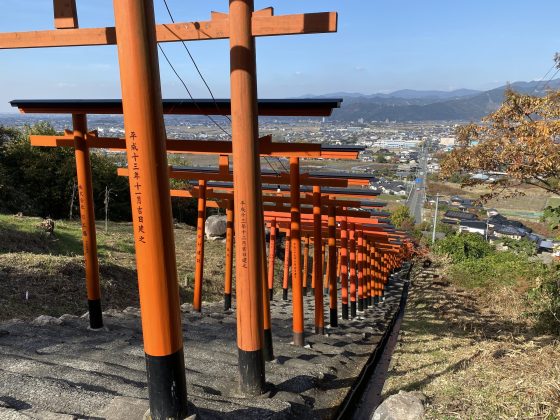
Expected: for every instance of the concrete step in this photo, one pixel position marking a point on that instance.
(63, 370)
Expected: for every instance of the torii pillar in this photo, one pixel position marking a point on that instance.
(249, 288)
(87, 216)
(151, 208)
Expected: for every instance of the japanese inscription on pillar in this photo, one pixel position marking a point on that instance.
(136, 188)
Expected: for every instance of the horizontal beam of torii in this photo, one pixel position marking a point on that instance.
(331, 192)
(305, 199)
(264, 23)
(266, 107)
(218, 147)
(280, 178)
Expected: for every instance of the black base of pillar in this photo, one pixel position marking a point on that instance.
(298, 339)
(271, 294)
(376, 300)
(227, 301)
(365, 303)
(334, 318)
(320, 330)
(370, 301)
(167, 386)
(268, 351)
(361, 304)
(305, 291)
(251, 369)
(353, 312)
(95, 314)
(284, 294)
(344, 311)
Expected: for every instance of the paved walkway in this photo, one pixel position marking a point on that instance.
(67, 372)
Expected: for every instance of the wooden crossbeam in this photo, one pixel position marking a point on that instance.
(216, 28)
(281, 178)
(266, 146)
(65, 14)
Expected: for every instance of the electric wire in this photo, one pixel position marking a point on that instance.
(194, 62)
(189, 92)
(543, 78)
(191, 57)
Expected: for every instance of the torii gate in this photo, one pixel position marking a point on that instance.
(136, 34)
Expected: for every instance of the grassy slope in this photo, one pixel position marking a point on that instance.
(51, 269)
(474, 356)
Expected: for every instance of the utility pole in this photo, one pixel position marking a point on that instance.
(435, 219)
(106, 202)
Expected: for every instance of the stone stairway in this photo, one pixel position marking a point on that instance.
(55, 368)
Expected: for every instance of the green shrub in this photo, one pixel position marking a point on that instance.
(523, 246)
(544, 303)
(498, 269)
(463, 247)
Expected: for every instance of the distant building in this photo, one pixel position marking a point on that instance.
(447, 141)
(459, 215)
(473, 226)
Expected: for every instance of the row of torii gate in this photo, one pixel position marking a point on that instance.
(362, 248)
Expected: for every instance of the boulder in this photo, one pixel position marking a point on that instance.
(46, 320)
(401, 406)
(215, 227)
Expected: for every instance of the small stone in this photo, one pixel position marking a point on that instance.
(289, 397)
(402, 406)
(68, 317)
(215, 226)
(186, 307)
(131, 310)
(46, 320)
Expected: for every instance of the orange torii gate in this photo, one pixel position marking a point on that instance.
(223, 174)
(204, 174)
(136, 35)
(356, 194)
(281, 220)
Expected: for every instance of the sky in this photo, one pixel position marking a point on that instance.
(380, 46)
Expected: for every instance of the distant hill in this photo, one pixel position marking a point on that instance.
(413, 105)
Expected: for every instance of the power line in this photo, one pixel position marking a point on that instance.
(189, 92)
(207, 87)
(194, 61)
(542, 78)
(550, 80)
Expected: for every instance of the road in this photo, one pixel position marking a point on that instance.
(417, 196)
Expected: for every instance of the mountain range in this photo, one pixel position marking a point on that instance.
(432, 105)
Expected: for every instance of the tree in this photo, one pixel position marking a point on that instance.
(520, 141)
(402, 218)
(38, 181)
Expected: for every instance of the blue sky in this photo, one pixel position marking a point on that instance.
(381, 46)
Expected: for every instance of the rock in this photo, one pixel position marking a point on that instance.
(186, 307)
(290, 397)
(46, 320)
(68, 317)
(47, 225)
(402, 406)
(122, 408)
(131, 310)
(215, 227)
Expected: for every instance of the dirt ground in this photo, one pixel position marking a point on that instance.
(474, 356)
(42, 274)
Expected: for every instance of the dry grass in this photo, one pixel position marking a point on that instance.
(51, 269)
(474, 356)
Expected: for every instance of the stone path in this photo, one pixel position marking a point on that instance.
(64, 371)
